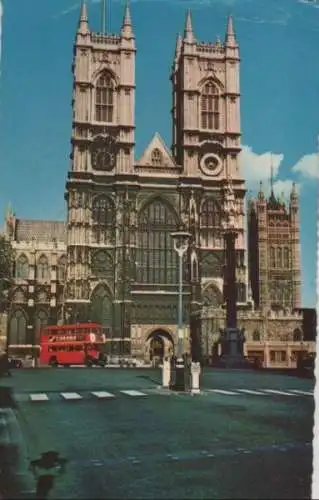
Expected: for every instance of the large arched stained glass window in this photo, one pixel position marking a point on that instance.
(18, 328)
(104, 99)
(157, 262)
(103, 216)
(210, 223)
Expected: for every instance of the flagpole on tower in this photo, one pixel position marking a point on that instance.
(103, 16)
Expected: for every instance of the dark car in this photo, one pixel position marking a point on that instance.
(15, 363)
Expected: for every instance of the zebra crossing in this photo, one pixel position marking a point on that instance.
(133, 393)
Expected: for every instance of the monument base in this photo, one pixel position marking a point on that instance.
(232, 342)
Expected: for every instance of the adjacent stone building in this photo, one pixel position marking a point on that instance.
(113, 261)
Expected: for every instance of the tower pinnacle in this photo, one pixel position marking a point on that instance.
(83, 22)
(188, 32)
(127, 31)
(230, 32)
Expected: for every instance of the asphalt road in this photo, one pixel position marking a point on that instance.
(149, 443)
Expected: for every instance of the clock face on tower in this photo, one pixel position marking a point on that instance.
(104, 153)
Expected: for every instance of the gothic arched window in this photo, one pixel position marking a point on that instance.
(18, 328)
(210, 104)
(61, 269)
(43, 269)
(101, 308)
(286, 257)
(103, 215)
(157, 261)
(41, 319)
(210, 223)
(22, 267)
(104, 99)
(102, 264)
(272, 257)
(156, 158)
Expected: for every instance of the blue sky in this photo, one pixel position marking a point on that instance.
(279, 83)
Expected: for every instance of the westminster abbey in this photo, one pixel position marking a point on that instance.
(113, 260)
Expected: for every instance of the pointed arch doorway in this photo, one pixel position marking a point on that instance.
(159, 344)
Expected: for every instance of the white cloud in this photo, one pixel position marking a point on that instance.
(256, 168)
(308, 166)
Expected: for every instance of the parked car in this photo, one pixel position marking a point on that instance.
(15, 362)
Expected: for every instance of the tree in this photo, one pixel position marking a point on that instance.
(6, 270)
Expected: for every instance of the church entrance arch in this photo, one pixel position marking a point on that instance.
(159, 344)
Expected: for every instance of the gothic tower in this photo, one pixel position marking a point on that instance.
(206, 143)
(101, 162)
(274, 250)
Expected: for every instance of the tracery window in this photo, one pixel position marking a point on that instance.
(43, 269)
(61, 269)
(212, 265)
(41, 320)
(103, 215)
(279, 257)
(286, 257)
(210, 223)
(18, 328)
(272, 257)
(104, 99)
(22, 267)
(156, 158)
(210, 107)
(102, 264)
(158, 261)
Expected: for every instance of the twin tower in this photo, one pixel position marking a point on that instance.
(122, 209)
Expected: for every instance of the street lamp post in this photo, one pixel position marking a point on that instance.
(181, 241)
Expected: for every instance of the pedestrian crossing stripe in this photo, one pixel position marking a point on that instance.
(105, 395)
(39, 397)
(70, 396)
(133, 393)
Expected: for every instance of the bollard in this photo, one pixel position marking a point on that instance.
(195, 371)
(166, 373)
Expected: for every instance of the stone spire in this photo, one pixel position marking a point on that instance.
(127, 29)
(83, 21)
(188, 32)
(230, 32)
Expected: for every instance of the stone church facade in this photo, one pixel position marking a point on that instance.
(113, 261)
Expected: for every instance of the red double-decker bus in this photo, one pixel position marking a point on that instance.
(82, 343)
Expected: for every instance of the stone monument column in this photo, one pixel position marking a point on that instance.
(232, 338)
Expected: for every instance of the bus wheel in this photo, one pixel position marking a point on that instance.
(89, 363)
(53, 362)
